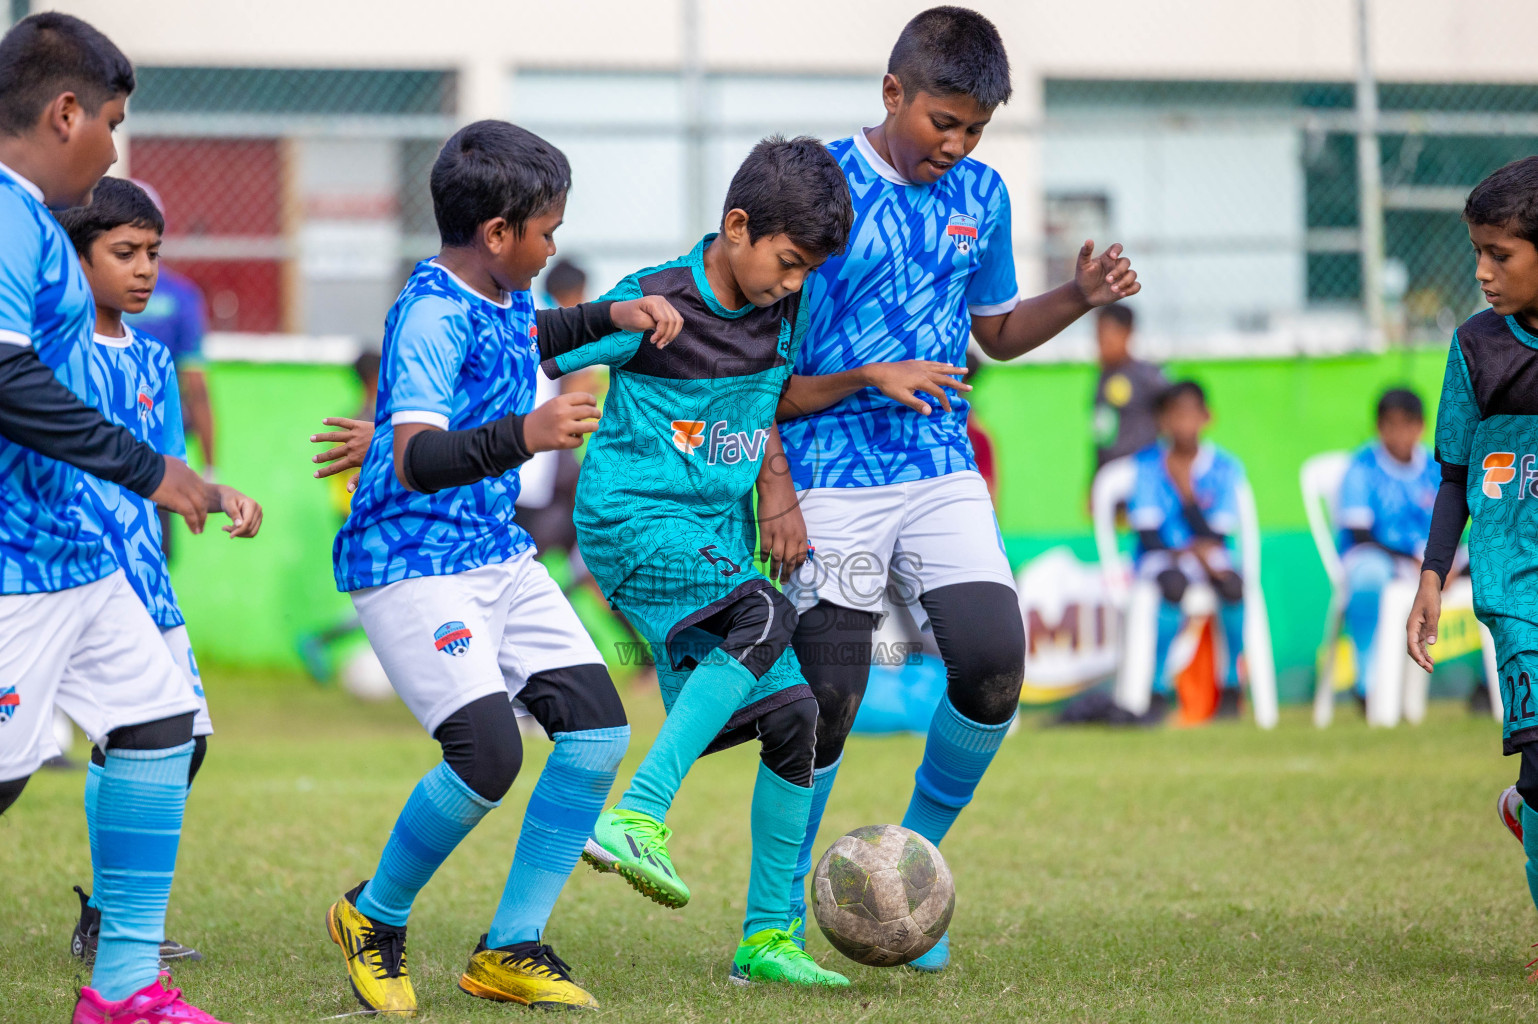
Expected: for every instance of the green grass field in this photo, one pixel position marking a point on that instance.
(1209, 875)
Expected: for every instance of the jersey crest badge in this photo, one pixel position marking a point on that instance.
(145, 404)
(452, 638)
(10, 700)
(963, 231)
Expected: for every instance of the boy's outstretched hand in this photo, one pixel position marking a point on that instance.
(901, 382)
(351, 441)
(648, 313)
(1421, 630)
(1106, 278)
(245, 514)
(562, 421)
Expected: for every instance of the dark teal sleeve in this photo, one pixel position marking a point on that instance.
(1457, 411)
(611, 350)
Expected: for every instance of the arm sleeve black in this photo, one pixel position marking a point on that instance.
(561, 330)
(1150, 540)
(436, 459)
(1448, 517)
(38, 412)
(1197, 520)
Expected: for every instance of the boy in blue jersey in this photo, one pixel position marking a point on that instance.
(1487, 444)
(461, 615)
(1384, 513)
(666, 521)
(886, 477)
(1185, 509)
(72, 630)
(117, 236)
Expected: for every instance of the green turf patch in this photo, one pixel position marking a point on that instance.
(1162, 876)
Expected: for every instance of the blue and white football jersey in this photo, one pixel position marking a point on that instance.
(1156, 505)
(1391, 499)
(922, 261)
(456, 360)
(134, 378)
(45, 542)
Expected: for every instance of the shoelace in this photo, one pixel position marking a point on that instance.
(780, 941)
(160, 1001)
(652, 833)
(544, 958)
(390, 944)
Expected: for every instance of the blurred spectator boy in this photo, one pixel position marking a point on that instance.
(1128, 388)
(1185, 509)
(1385, 517)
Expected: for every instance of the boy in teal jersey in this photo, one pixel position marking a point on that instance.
(665, 518)
(1487, 444)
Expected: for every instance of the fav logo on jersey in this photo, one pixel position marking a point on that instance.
(10, 700)
(723, 445)
(1500, 469)
(145, 402)
(452, 638)
(963, 231)
(688, 435)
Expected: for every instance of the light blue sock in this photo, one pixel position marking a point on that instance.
(565, 804)
(1361, 622)
(956, 754)
(93, 773)
(139, 802)
(778, 821)
(822, 785)
(1171, 618)
(1231, 614)
(440, 812)
(1530, 845)
(713, 691)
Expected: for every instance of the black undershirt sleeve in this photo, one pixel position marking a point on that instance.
(437, 459)
(1149, 540)
(1356, 537)
(1448, 517)
(38, 412)
(1197, 520)
(561, 330)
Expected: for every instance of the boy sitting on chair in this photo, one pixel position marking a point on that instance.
(1185, 509)
(1385, 517)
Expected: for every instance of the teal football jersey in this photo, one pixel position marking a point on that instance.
(1487, 430)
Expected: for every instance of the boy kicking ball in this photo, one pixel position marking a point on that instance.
(666, 521)
(1487, 444)
(117, 237)
(888, 485)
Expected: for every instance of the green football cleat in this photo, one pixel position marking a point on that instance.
(636, 846)
(772, 955)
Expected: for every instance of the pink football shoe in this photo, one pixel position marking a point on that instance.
(152, 1004)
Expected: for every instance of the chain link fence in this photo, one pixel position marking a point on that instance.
(297, 198)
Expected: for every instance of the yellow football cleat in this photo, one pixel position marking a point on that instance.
(376, 957)
(524, 972)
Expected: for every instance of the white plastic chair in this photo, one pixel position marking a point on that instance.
(1139, 599)
(1320, 480)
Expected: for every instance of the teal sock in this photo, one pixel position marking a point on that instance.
(440, 812)
(566, 800)
(1231, 614)
(956, 754)
(822, 785)
(1530, 845)
(778, 822)
(713, 691)
(93, 773)
(139, 803)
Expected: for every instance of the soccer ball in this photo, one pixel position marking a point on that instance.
(883, 895)
(364, 677)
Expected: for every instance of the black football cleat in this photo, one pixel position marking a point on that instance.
(82, 943)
